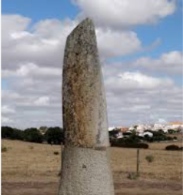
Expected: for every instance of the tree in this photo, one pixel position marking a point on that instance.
(7, 132)
(54, 135)
(113, 133)
(43, 129)
(33, 135)
(11, 133)
(171, 131)
(19, 134)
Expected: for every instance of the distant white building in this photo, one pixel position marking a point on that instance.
(120, 135)
(176, 125)
(149, 134)
(157, 127)
(111, 128)
(140, 128)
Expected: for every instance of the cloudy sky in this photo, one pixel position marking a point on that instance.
(140, 45)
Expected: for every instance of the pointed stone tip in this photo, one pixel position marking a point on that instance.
(83, 26)
(86, 22)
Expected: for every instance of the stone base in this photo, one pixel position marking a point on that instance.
(85, 172)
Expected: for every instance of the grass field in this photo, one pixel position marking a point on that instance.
(30, 167)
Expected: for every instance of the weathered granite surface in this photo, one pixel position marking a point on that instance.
(85, 172)
(85, 162)
(84, 103)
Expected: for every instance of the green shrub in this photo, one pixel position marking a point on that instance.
(54, 135)
(11, 133)
(148, 139)
(172, 147)
(169, 138)
(4, 149)
(150, 158)
(171, 131)
(113, 133)
(33, 135)
(56, 153)
(31, 147)
(124, 144)
(158, 133)
(132, 176)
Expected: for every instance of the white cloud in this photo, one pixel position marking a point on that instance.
(170, 62)
(6, 120)
(122, 13)
(15, 23)
(117, 43)
(137, 106)
(8, 95)
(12, 24)
(26, 69)
(38, 45)
(161, 121)
(29, 45)
(32, 70)
(32, 63)
(133, 97)
(6, 109)
(173, 57)
(42, 101)
(136, 80)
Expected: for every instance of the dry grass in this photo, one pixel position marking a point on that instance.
(32, 169)
(25, 161)
(29, 161)
(162, 145)
(166, 164)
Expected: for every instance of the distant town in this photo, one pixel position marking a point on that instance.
(148, 129)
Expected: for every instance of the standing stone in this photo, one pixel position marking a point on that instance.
(85, 162)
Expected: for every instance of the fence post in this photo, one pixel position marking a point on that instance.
(138, 162)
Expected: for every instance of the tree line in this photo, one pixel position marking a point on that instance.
(52, 135)
(55, 135)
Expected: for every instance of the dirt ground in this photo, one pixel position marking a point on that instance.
(123, 187)
(32, 169)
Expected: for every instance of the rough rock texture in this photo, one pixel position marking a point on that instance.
(85, 172)
(85, 165)
(84, 104)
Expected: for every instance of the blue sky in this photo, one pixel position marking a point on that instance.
(142, 52)
(38, 10)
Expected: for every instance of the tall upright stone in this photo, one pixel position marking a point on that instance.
(85, 163)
